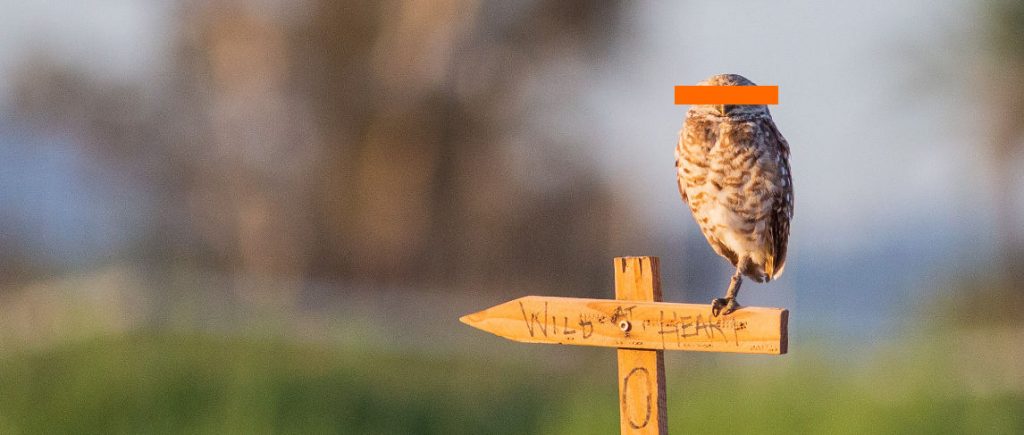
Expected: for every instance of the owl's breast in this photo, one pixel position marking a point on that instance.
(727, 175)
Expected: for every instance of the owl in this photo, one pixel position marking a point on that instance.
(732, 167)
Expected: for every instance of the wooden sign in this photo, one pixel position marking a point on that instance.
(642, 328)
(635, 325)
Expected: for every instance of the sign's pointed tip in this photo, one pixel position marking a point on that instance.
(472, 319)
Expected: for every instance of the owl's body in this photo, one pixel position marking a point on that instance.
(733, 171)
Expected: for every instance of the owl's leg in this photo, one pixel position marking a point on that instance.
(728, 304)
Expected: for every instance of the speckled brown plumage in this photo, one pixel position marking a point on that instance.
(733, 171)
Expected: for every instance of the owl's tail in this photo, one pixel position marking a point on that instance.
(770, 269)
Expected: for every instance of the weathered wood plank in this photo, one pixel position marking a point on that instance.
(651, 325)
(642, 400)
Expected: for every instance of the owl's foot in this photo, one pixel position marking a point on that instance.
(728, 304)
(723, 306)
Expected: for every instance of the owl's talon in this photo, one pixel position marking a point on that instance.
(723, 306)
(716, 306)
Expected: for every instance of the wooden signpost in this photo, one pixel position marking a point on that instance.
(642, 328)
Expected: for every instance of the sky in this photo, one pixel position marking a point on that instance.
(119, 40)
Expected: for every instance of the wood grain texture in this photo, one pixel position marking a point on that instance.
(652, 325)
(642, 401)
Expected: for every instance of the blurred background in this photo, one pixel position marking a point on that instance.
(266, 216)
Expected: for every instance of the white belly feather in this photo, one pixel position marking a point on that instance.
(725, 224)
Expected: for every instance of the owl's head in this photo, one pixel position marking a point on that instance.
(732, 111)
(726, 80)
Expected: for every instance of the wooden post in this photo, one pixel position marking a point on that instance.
(641, 327)
(642, 407)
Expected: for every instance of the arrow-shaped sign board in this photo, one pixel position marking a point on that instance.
(635, 325)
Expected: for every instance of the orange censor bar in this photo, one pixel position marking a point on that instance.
(727, 95)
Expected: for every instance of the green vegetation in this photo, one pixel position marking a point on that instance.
(893, 396)
(170, 384)
(201, 384)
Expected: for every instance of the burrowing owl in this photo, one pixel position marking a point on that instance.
(733, 170)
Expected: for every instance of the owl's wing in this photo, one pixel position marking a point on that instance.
(782, 207)
(680, 181)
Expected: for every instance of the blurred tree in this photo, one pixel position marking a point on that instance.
(1005, 92)
(417, 117)
(1001, 83)
(255, 172)
(359, 140)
